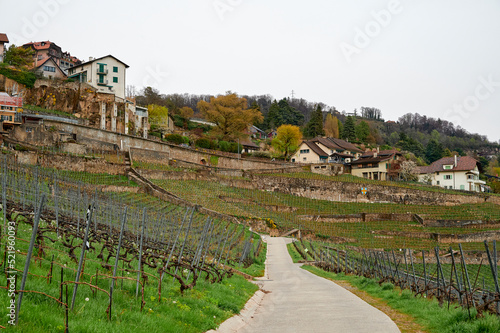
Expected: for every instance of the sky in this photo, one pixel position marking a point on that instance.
(436, 58)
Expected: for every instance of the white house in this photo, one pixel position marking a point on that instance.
(458, 173)
(106, 74)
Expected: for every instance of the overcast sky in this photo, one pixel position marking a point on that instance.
(438, 58)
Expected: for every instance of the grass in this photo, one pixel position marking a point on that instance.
(198, 310)
(49, 111)
(427, 313)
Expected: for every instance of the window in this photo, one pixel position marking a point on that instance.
(304, 159)
(115, 69)
(49, 69)
(293, 159)
(438, 182)
(447, 177)
(447, 167)
(115, 79)
(304, 151)
(462, 187)
(437, 173)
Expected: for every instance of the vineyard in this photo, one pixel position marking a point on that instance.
(76, 258)
(449, 275)
(324, 218)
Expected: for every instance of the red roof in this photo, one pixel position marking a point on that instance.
(4, 38)
(39, 45)
(11, 101)
(464, 163)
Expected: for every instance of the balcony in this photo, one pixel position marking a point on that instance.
(102, 82)
(102, 70)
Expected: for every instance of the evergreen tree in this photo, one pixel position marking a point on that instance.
(349, 131)
(315, 125)
(282, 113)
(434, 151)
(362, 131)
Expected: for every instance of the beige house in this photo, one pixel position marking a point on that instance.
(457, 173)
(376, 165)
(106, 74)
(309, 152)
(50, 69)
(326, 150)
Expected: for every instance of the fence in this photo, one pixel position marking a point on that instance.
(449, 276)
(124, 234)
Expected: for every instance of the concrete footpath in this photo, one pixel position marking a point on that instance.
(295, 300)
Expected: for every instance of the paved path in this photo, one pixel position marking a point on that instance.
(299, 301)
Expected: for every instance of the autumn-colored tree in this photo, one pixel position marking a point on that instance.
(230, 115)
(158, 115)
(331, 126)
(287, 139)
(186, 112)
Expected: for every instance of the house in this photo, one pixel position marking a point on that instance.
(46, 50)
(249, 146)
(106, 74)
(256, 132)
(9, 109)
(50, 69)
(326, 150)
(3, 40)
(334, 145)
(457, 172)
(310, 152)
(376, 165)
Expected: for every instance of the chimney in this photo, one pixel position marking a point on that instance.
(455, 161)
(375, 153)
(91, 58)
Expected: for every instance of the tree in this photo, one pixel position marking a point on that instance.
(371, 113)
(186, 112)
(434, 151)
(408, 171)
(149, 96)
(315, 125)
(282, 113)
(331, 126)
(158, 115)
(19, 57)
(349, 131)
(362, 131)
(230, 115)
(287, 139)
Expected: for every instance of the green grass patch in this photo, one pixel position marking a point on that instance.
(427, 312)
(49, 111)
(200, 309)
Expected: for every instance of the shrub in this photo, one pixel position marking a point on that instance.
(204, 143)
(185, 140)
(26, 78)
(261, 154)
(174, 138)
(224, 146)
(178, 120)
(234, 148)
